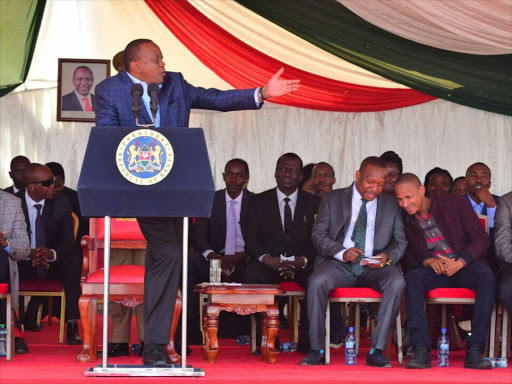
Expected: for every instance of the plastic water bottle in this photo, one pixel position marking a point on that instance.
(443, 349)
(3, 340)
(350, 347)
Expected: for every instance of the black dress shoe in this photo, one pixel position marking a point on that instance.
(420, 358)
(314, 358)
(377, 359)
(475, 360)
(116, 350)
(72, 336)
(20, 346)
(154, 355)
(336, 341)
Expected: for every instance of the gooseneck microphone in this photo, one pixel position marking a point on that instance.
(137, 92)
(154, 92)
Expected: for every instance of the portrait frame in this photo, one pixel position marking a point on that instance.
(69, 107)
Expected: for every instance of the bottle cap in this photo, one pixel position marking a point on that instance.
(443, 330)
(351, 329)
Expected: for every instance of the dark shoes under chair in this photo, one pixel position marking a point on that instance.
(155, 355)
(20, 346)
(314, 358)
(72, 335)
(377, 359)
(116, 350)
(474, 359)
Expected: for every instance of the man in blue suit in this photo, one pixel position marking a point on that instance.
(144, 65)
(478, 178)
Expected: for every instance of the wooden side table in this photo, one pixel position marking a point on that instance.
(244, 299)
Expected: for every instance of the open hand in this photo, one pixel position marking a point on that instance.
(279, 87)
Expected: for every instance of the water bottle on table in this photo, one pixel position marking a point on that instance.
(443, 349)
(3, 340)
(350, 347)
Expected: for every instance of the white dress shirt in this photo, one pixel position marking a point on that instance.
(371, 211)
(32, 215)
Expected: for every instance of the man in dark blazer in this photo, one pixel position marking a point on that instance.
(504, 249)
(478, 178)
(221, 236)
(18, 165)
(446, 246)
(53, 253)
(144, 65)
(352, 225)
(271, 237)
(81, 99)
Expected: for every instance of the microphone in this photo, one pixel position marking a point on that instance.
(137, 92)
(154, 92)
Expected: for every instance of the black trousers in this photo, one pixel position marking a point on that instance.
(476, 276)
(504, 287)
(68, 271)
(162, 276)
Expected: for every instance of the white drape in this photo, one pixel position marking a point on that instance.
(438, 133)
(481, 27)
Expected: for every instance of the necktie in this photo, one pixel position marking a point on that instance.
(88, 107)
(359, 236)
(40, 238)
(287, 224)
(230, 247)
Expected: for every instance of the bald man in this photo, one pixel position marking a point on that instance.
(53, 253)
(446, 248)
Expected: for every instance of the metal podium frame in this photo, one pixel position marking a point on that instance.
(141, 370)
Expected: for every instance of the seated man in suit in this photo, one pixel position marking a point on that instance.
(81, 99)
(446, 244)
(18, 165)
(60, 187)
(14, 247)
(219, 237)
(478, 178)
(353, 223)
(503, 241)
(53, 252)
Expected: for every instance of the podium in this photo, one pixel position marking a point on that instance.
(153, 173)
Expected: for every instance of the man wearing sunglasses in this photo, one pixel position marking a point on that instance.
(53, 252)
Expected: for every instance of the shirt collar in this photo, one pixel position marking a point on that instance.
(144, 84)
(357, 198)
(80, 96)
(473, 203)
(293, 197)
(31, 203)
(238, 199)
(14, 189)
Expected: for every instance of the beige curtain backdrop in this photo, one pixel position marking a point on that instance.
(481, 27)
(438, 133)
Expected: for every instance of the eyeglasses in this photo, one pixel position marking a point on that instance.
(45, 183)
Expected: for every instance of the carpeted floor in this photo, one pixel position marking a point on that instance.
(50, 362)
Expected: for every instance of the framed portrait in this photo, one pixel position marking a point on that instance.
(76, 100)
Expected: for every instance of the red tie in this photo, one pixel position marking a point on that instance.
(87, 104)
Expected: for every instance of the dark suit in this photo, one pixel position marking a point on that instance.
(331, 226)
(210, 234)
(59, 237)
(70, 102)
(265, 235)
(10, 190)
(163, 251)
(467, 238)
(490, 255)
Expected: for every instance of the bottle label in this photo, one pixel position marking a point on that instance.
(444, 346)
(349, 344)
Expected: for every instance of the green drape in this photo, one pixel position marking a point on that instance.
(20, 21)
(483, 82)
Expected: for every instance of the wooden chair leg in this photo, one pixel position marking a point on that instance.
(50, 310)
(9, 328)
(357, 325)
(328, 333)
(492, 337)
(88, 317)
(296, 319)
(505, 335)
(171, 349)
(62, 318)
(399, 338)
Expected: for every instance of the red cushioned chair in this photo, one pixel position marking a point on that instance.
(47, 288)
(356, 296)
(294, 292)
(9, 326)
(126, 281)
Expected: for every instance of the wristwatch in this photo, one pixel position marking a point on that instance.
(305, 262)
(261, 97)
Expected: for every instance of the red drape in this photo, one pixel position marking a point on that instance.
(245, 67)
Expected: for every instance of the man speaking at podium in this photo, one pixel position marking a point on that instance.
(144, 65)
